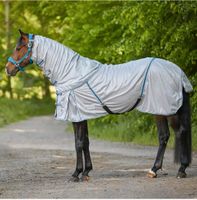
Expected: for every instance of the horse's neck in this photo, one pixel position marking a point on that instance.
(39, 50)
(49, 51)
(62, 65)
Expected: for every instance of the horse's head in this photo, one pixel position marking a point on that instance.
(21, 55)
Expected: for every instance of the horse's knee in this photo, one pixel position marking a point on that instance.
(163, 139)
(79, 145)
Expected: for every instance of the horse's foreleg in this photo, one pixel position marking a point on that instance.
(79, 132)
(88, 162)
(163, 135)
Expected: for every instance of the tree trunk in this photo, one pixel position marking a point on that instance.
(46, 90)
(47, 93)
(8, 29)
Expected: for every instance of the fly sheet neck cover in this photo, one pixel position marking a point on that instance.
(83, 84)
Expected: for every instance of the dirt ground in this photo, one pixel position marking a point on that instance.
(37, 158)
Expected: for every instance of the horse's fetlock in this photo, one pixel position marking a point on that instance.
(156, 167)
(80, 170)
(77, 172)
(183, 167)
(89, 167)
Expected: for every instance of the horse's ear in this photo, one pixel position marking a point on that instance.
(21, 32)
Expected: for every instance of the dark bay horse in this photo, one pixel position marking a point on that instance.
(179, 121)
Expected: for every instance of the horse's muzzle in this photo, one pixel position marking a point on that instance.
(12, 72)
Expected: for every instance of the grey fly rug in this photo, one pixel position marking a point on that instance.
(83, 85)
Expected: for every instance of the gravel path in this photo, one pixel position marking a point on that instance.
(37, 158)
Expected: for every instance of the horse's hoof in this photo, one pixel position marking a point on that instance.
(181, 175)
(85, 178)
(151, 174)
(74, 179)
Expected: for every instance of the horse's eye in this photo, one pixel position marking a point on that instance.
(20, 47)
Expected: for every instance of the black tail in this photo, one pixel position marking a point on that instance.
(183, 141)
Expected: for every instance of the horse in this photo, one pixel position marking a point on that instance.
(89, 89)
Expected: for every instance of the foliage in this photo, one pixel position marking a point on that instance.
(194, 112)
(116, 32)
(14, 110)
(111, 32)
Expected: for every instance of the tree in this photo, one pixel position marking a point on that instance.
(111, 32)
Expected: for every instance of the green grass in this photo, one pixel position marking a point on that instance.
(134, 127)
(12, 110)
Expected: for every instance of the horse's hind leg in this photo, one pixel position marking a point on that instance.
(163, 135)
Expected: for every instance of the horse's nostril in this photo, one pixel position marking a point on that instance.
(7, 71)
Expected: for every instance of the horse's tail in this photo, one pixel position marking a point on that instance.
(183, 139)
